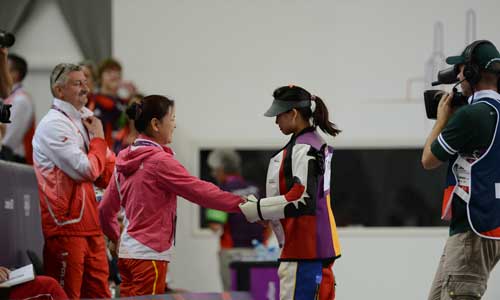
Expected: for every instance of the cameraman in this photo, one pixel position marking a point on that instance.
(16, 144)
(467, 138)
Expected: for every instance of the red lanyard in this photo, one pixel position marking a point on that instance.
(66, 115)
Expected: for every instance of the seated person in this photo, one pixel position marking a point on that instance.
(42, 287)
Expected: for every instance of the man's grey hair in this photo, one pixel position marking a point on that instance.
(227, 159)
(59, 75)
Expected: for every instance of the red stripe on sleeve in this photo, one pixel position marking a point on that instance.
(295, 192)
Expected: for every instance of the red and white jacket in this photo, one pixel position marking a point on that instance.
(298, 201)
(146, 184)
(68, 162)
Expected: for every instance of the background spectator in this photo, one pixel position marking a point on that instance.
(236, 234)
(16, 144)
(90, 71)
(109, 107)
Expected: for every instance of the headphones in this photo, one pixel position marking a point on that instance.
(472, 72)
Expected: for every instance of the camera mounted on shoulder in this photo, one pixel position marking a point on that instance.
(479, 56)
(432, 97)
(7, 39)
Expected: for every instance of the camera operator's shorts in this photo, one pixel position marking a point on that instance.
(465, 267)
(306, 280)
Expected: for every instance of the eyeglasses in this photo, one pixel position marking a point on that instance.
(60, 73)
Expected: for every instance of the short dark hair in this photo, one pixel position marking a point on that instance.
(152, 106)
(90, 65)
(108, 64)
(20, 65)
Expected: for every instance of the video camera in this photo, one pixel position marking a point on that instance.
(432, 97)
(7, 39)
(4, 112)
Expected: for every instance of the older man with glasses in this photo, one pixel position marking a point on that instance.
(70, 156)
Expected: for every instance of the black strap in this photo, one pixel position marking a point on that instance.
(259, 211)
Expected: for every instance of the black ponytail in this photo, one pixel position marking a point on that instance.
(321, 119)
(149, 107)
(134, 111)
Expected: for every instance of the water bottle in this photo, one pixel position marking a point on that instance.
(271, 291)
(260, 250)
(272, 253)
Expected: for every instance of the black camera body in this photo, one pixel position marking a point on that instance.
(447, 76)
(7, 39)
(432, 97)
(4, 112)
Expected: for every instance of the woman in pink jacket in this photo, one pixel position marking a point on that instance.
(145, 185)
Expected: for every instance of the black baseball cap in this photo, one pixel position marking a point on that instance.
(485, 55)
(280, 106)
(287, 98)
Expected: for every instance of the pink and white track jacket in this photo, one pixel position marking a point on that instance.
(146, 184)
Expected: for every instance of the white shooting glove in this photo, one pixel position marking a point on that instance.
(249, 209)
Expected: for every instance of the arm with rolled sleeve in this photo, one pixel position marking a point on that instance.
(456, 135)
(60, 144)
(173, 177)
(452, 132)
(5, 79)
(298, 201)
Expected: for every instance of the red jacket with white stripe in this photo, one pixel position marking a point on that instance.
(67, 164)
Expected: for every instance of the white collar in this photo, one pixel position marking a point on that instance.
(484, 94)
(17, 85)
(71, 110)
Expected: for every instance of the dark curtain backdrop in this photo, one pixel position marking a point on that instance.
(13, 14)
(89, 21)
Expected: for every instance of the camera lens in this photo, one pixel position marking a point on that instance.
(6, 39)
(448, 76)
